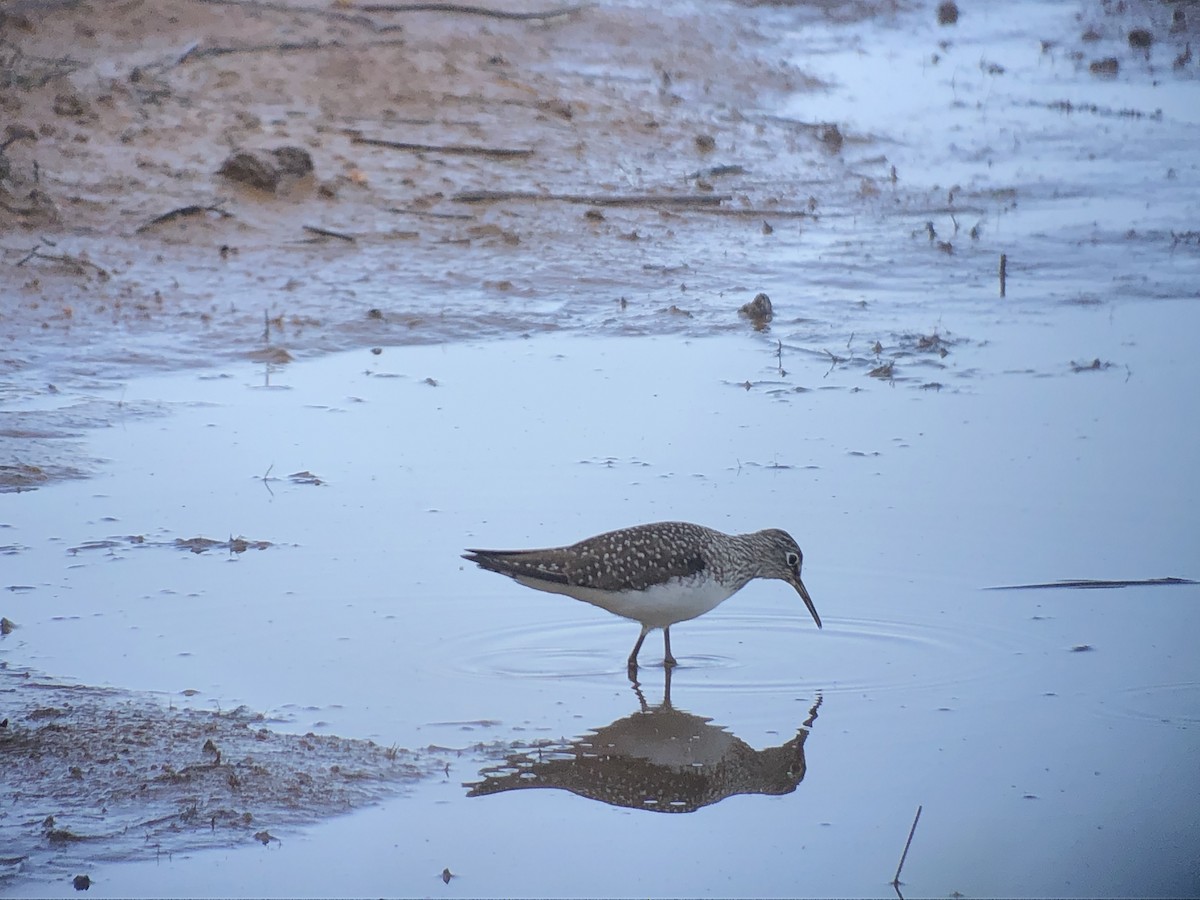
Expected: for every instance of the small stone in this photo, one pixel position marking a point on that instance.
(947, 13)
(266, 169)
(293, 161)
(758, 310)
(831, 137)
(81, 882)
(68, 104)
(1140, 39)
(17, 132)
(247, 167)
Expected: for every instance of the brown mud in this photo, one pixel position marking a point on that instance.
(122, 222)
(98, 774)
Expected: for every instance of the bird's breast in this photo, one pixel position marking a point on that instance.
(658, 606)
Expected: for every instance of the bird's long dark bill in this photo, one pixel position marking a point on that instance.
(803, 592)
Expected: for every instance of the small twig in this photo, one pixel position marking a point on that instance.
(1003, 272)
(453, 149)
(595, 199)
(431, 215)
(907, 844)
(753, 213)
(716, 172)
(470, 10)
(189, 50)
(266, 479)
(325, 232)
(283, 47)
(834, 359)
(193, 210)
(79, 265)
(290, 9)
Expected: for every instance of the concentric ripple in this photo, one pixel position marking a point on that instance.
(1175, 704)
(751, 652)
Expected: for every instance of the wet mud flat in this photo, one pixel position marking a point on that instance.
(358, 176)
(201, 180)
(102, 775)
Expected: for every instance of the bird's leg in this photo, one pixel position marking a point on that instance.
(668, 659)
(636, 647)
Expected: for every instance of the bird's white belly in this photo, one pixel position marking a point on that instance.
(665, 604)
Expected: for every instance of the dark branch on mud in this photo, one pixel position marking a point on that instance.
(334, 15)
(325, 232)
(595, 199)
(353, 17)
(459, 9)
(183, 212)
(453, 149)
(80, 265)
(756, 213)
(281, 47)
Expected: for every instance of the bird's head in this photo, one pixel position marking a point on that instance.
(783, 560)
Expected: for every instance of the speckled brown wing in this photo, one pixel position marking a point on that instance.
(627, 560)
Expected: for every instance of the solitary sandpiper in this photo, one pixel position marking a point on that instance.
(655, 574)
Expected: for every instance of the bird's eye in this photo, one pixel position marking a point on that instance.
(793, 559)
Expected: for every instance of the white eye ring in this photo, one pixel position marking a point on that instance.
(792, 559)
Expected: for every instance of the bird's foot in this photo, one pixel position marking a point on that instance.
(669, 662)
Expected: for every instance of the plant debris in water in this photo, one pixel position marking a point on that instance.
(194, 544)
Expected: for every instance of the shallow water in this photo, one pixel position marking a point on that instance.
(1049, 735)
(358, 620)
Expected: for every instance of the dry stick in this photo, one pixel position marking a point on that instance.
(907, 844)
(430, 214)
(456, 149)
(470, 10)
(182, 211)
(285, 47)
(335, 15)
(762, 213)
(595, 199)
(79, 265)
(325, 232)
(1003, 272)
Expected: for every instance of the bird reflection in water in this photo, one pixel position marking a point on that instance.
(660, 759)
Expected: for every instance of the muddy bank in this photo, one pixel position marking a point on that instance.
(193, 181)
(439, 152)
(95, 774)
